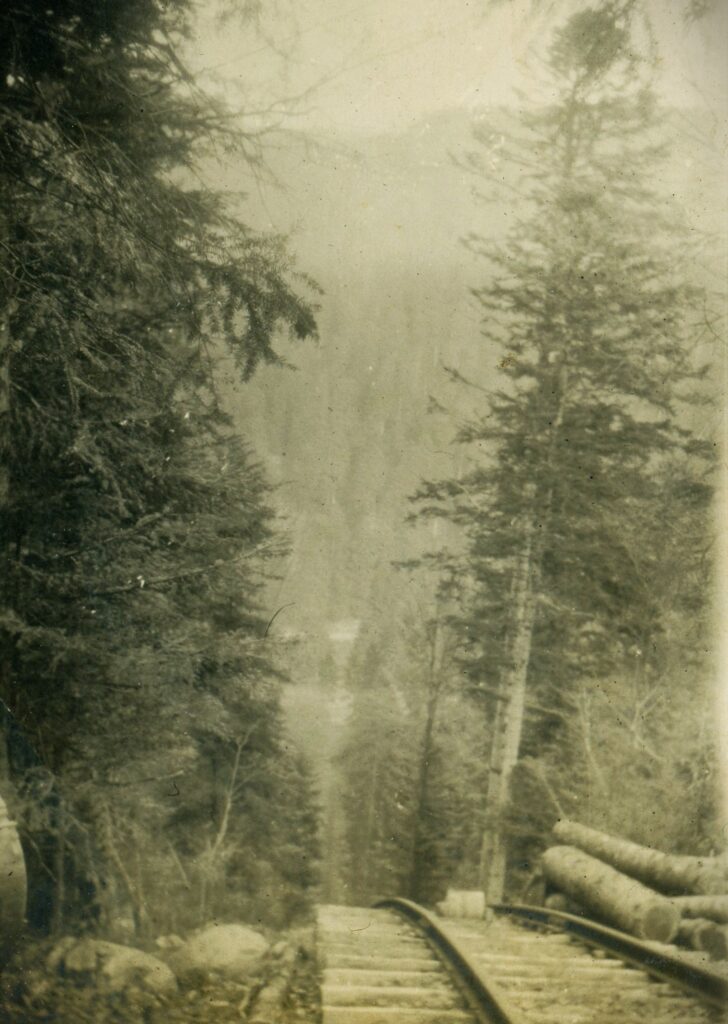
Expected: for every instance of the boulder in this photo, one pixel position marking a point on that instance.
(115, 967)
(230, 950)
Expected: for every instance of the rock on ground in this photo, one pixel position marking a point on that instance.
(116, 967)
(37, 986)
(230, 950)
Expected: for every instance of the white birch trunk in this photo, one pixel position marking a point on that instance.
(507, 739)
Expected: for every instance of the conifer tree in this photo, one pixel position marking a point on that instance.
(593, 314)
(135, 532)
(377, 768)
(411, 782)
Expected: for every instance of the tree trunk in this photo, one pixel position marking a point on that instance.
(496, 756)
(619, 900)
(6, 651)
(5, 440)
(669, 873)
(507, 741)
(365, 854)
(332, 841)
(494, 852)
(13, 883)
(425, 759)
(713, 907)
(59, 870)
(139, 913)
(4, 725)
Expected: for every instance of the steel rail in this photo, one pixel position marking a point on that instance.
(708, 986)
(485, 1000)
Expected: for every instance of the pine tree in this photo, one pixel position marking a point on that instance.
(593, 314)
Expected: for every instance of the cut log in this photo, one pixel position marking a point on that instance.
(715, 941)
(706, 936)
(690, 932)
(715, 908)
(670, 873)
(564, 904)
(558, 901)
(621, 901)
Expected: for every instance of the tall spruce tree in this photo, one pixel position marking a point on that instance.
(134, 527)
(592, 309)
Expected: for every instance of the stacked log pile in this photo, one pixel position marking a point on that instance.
(666, 872)
(650, 894)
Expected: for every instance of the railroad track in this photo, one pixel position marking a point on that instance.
(398, 964)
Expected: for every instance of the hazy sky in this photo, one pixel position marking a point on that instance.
(384, 64)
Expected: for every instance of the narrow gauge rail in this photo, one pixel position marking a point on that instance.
(394, 963)
(656, 959)
(398, 963)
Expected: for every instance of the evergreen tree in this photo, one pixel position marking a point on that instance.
(377, 767)
(411, 782)
(135, 529)
(647, 729)
(593, 314)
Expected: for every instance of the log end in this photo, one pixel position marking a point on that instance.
(659, 922)
(714, 942)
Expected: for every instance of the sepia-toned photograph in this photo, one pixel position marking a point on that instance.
(363, 512)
